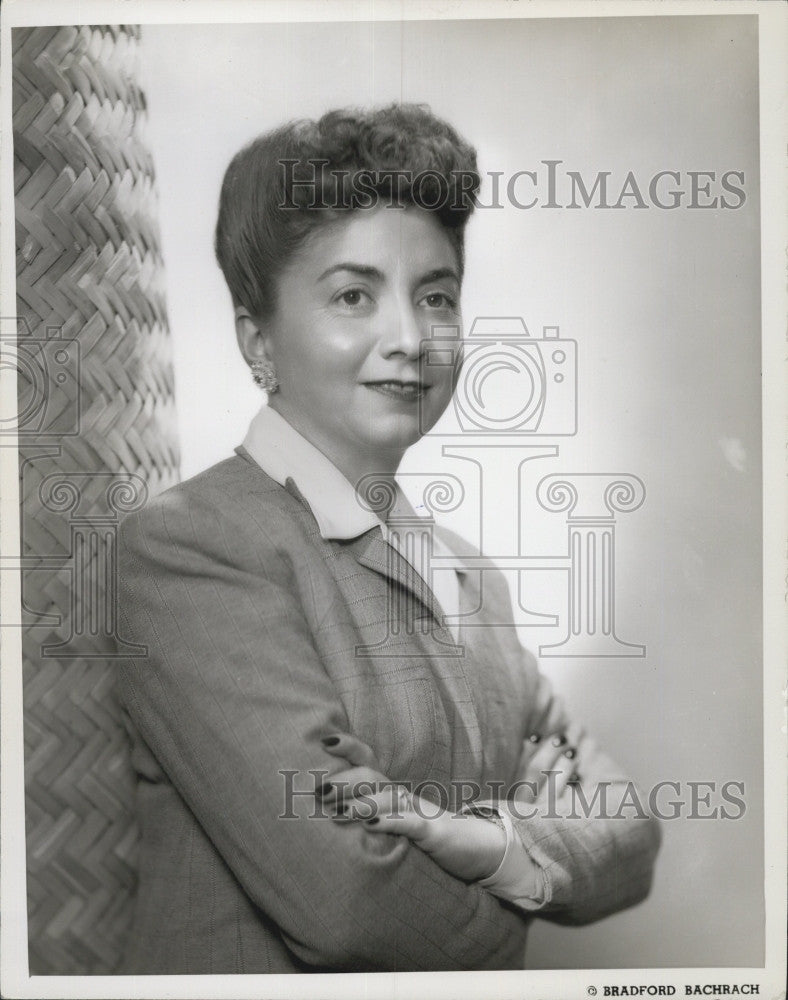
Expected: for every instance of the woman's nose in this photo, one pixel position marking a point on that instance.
(403, 333)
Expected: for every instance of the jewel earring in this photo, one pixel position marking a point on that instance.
(264, 376)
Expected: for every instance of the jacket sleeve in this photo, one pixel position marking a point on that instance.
(233, 700)
(595, 846)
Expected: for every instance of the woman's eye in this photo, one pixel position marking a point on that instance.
(351, 297)
(440, 300)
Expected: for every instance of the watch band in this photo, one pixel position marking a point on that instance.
(486, 812)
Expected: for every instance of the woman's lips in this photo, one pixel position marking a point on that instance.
(396, 389)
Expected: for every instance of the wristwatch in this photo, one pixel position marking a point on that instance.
(486, 812)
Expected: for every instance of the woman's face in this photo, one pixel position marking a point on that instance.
(354, 308)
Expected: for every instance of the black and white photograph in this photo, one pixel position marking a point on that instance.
(393, 499)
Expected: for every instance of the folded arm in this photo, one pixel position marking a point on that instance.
(578, 842)
(595, 844)
(566, 847)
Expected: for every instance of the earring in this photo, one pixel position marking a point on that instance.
(264, 376)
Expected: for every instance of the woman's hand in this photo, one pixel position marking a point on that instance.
(547, 767)
(468, 847)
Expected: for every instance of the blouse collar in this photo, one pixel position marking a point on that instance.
(283, 453)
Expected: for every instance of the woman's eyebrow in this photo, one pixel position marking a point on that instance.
(437, 273)
(365, 270)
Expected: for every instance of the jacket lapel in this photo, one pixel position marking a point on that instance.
(373, 551)
(446, 658)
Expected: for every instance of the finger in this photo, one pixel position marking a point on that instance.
(530, 746)
(390, 804)
(549, 756)
(355, 751)
(405, 824)
(349, 782)
(573, 734)
(565, 772)
(533, 777)
(557, 778)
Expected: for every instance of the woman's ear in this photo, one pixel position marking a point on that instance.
(252, 335)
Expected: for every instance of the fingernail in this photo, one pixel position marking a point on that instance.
(534, 738)
(330, 741)
(571, 753)
(324, 789)
(558, 741)
(370, 822)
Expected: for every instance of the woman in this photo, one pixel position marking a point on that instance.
(276, 700)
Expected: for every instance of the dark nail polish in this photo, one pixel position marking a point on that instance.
(324, 789)
(534, 738)
(330, 741)
(571, 753)
(559, 741)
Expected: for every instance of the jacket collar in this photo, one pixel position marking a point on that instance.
(293, 462)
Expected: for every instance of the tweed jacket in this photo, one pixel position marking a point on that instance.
(261, 638)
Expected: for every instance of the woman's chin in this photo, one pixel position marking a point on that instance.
(400, 429)
(394, 435)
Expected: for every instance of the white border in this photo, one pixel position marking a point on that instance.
(773, 47)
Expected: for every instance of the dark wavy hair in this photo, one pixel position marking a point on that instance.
(288, 182)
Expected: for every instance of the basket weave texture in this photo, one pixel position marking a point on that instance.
(92, 326)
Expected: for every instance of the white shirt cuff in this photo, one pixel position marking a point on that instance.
(517, 879)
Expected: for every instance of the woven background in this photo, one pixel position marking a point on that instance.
(88, 270)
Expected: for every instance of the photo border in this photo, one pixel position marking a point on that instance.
(773, 51)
